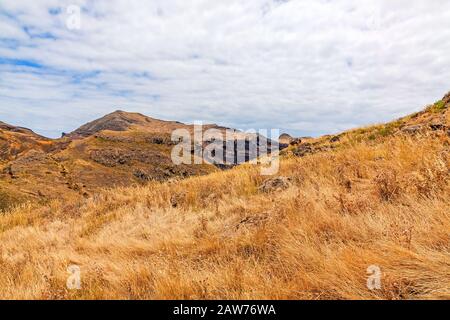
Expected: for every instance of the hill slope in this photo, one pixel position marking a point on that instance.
(366, 201)
(119, 149)
(15, 140)
(124, 121)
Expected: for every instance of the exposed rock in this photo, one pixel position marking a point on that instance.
(335, 139)
(446, 99)
(161, 140)
(122, 156)
(275, 184)
(437, 125)
(413, 129)
(224, 167)
(303, 150)
(113, 138)
(110, 157)
(157, 140)
(142, 175)
(296, 141)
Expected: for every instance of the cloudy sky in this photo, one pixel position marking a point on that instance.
(307, 67)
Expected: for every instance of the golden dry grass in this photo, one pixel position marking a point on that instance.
(219, 237)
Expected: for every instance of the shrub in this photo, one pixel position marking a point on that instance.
(438, 106)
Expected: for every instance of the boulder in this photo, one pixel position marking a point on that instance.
(303, 150)
(275, 184)
(437, 125)
(296, 142)
(413, 129)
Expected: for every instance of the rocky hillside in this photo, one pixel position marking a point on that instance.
(121, 121)
(119, 149)
(433, 120)
(374, 198)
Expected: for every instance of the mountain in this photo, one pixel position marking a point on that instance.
(120, 121)
(119, 149)
(16, 140)
(122, 149)
(367, 204)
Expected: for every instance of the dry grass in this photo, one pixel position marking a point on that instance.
(217, 236)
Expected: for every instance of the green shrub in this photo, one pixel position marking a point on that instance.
(386, 131)
(438, 107)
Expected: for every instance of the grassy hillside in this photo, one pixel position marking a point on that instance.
(364, 201)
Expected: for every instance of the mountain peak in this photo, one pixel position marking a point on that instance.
(115, 121)
(120, 120)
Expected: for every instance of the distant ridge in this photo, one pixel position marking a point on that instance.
(122, 121)
(11, 128)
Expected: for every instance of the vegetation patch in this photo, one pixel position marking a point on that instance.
(439, 106)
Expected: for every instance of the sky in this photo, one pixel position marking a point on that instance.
(306, 67)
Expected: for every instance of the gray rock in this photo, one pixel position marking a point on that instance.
(275, 184)
(437, 125)
(303, 150)
(413, 129)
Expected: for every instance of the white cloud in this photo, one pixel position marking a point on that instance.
(306, 67)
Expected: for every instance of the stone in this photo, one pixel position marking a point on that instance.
(275, 184)
(303, 150)
(413, 129)
(437, 125)
(141, 175)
